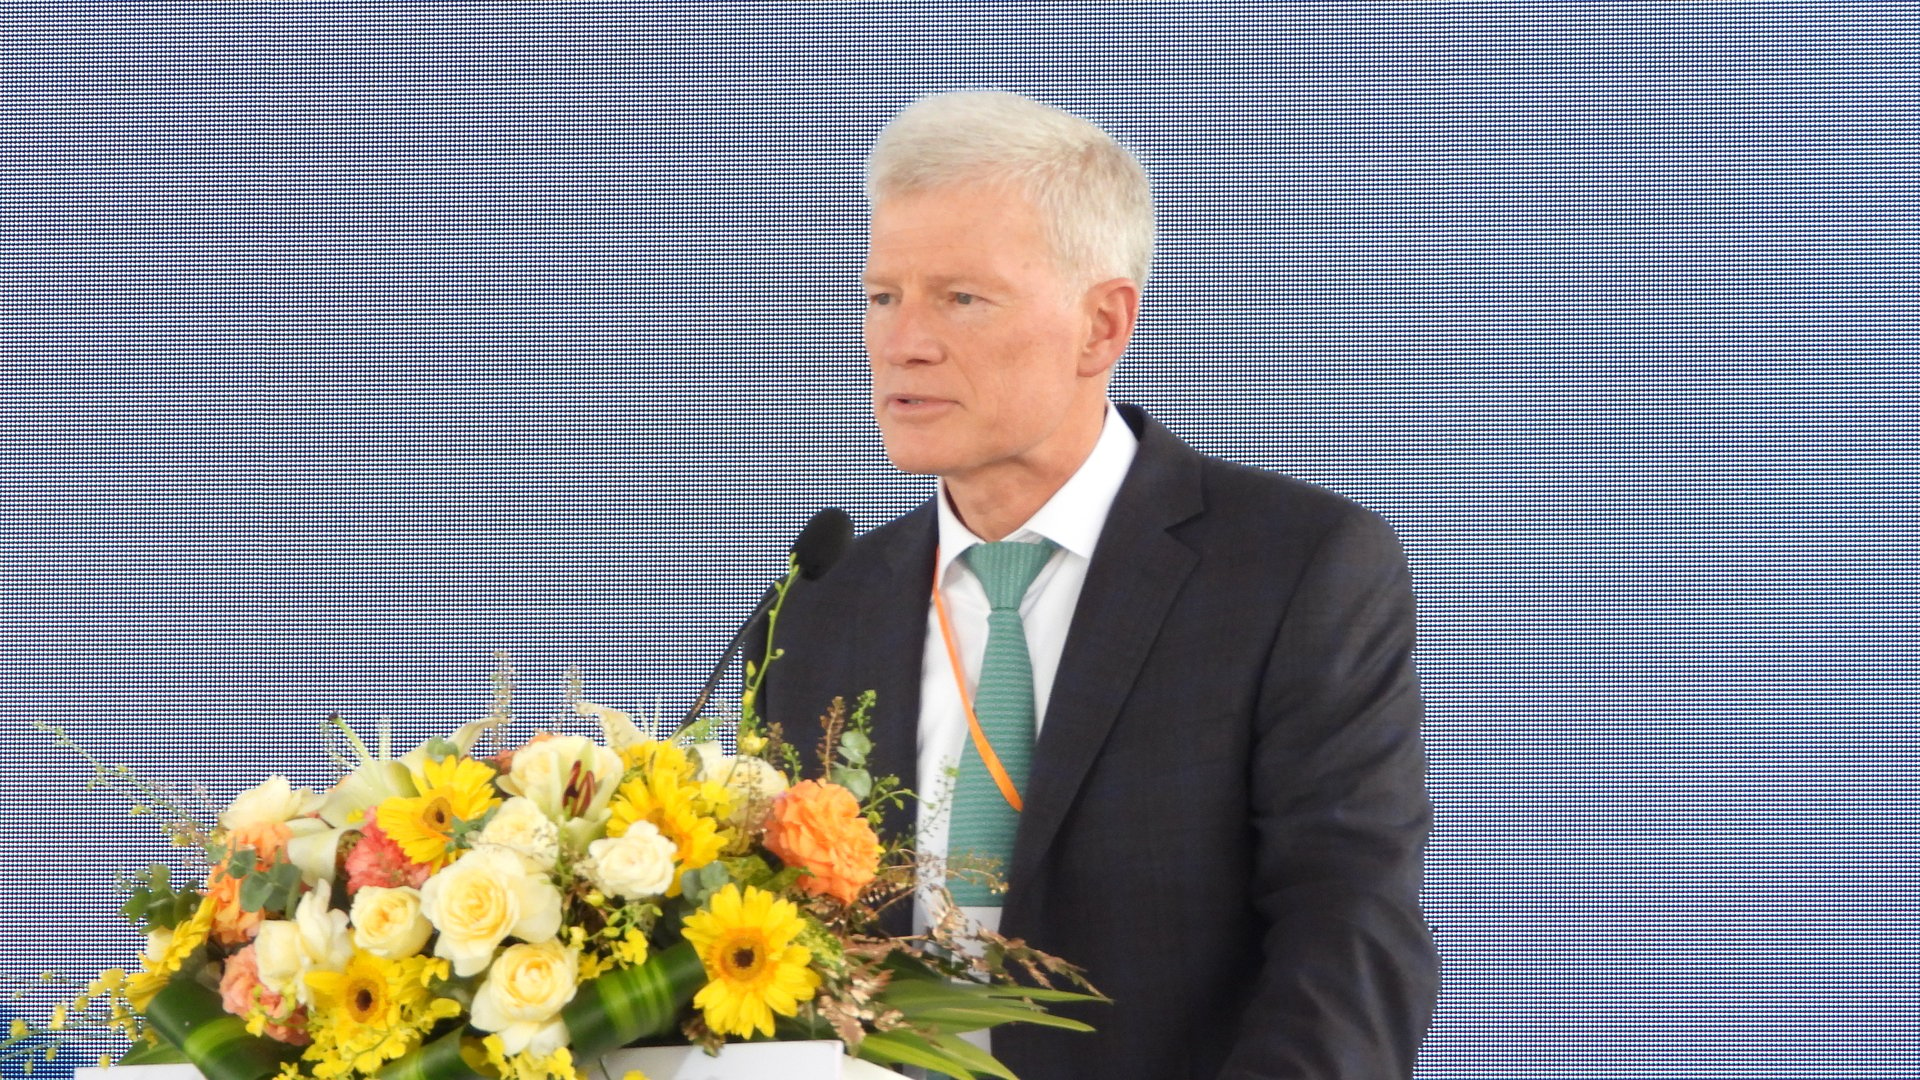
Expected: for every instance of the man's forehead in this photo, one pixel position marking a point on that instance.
(950, 232)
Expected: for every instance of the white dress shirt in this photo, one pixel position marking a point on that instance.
(1071, 519)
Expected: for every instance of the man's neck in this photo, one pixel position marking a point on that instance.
(994, 505)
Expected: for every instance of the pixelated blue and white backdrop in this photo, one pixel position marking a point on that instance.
(346, 343)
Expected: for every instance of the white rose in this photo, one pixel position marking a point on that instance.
(272, 803)
(636, 865)
(520, 827)
(545, 772)
(388, 923)
(525, 990)
(486, 895)
(315, 939)
(752, 782)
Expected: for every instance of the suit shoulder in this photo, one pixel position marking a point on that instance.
(1263, 499)
(872, 556)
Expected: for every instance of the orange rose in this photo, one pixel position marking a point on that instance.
(819, 828)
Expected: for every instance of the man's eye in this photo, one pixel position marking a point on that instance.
(962, 298)
(879, 299)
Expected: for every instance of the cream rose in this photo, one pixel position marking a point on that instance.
(272, 803)
(545, 772)
(315, 939)
(523, 995)
(486, 895)
(520, 827)
(635, 865)
(388, 922)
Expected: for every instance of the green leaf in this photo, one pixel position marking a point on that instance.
(633, 1003)
(697, 886)
(254, 892)
(892, 1048)
(191, 1017)
(993, 1014)
(854, 748)
(970, 1055)
(152, 1054)
(438, 1059)
(856, 781)
(184, 905)
(916, 996)
(286, 875)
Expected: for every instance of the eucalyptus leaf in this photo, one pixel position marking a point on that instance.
(854, 747)
(856, 781)
(254, 892)
(699, 885)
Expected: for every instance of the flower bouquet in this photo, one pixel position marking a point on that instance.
(469, 909)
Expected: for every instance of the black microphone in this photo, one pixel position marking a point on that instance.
(820, 544)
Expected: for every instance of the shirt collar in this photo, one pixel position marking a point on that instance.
(1075, 514)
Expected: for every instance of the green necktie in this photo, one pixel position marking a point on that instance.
(982, 823)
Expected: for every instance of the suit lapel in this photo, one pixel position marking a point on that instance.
(1136, 573)
(890, 641)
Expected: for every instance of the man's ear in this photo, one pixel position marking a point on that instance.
(1112, 307)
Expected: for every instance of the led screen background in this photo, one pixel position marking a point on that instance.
(347, 343)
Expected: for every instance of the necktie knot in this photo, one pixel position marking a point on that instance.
(1006, 569)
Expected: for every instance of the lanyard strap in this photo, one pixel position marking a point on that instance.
(980, 743)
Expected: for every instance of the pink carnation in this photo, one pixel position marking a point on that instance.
(377, 860)
(240, 987)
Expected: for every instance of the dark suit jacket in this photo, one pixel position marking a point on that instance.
(1226, 811)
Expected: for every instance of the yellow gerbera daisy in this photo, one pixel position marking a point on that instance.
(754, 970)
(453, 789)
(372, 1012)
(189, 935)
(662, 790)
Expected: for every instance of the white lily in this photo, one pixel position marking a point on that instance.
(367, 786)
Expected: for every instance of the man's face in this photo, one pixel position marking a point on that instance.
(975, 338)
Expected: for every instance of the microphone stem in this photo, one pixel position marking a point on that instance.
(773, 596)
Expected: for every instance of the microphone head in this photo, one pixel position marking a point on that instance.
(822, 542)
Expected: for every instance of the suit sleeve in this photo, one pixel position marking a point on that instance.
(1341, 817)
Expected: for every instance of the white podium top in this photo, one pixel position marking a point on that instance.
(820, 1060)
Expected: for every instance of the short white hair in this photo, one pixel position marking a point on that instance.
(1092, 194)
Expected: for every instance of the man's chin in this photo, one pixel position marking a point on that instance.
(917, 460)
(914, 466)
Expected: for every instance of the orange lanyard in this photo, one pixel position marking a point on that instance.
(980, 743)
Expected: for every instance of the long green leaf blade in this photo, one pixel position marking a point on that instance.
(892, 1048)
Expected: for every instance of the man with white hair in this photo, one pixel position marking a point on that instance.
(1174, 695)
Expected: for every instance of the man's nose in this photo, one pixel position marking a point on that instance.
(901, 333)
